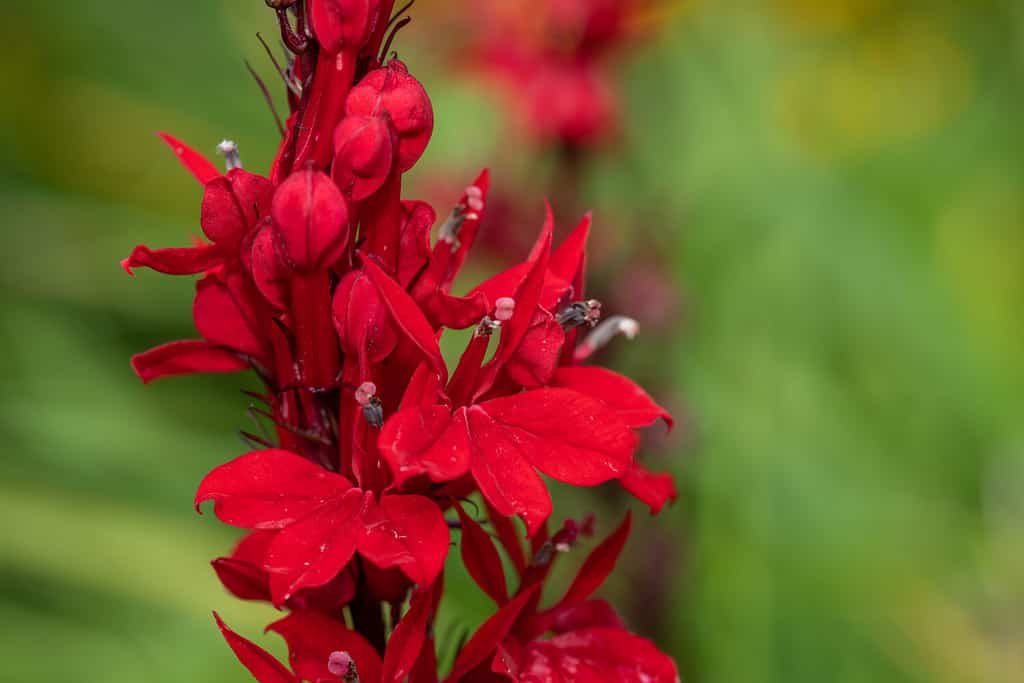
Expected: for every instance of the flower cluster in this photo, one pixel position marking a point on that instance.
(549, 59)
(322, 280)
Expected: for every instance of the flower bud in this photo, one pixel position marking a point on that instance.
(312, 220)
(232, 203)
(391, 89)
(364, 148)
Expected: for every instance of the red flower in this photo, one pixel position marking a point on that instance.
(323, 520)
(323, 280)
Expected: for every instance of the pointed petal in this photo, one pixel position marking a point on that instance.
(408, 532)
(588, 614)
(568, 436)
(486, 639)
(534, 362)
(596, 655)
(568, 261)
(505, 528)
(598, 565)
(506, 478)
(623, 395)
(408, 316)
(427, 440)
(227, 312)
(314, 550)
(481, 558)
(260, 663)
(407, 639)
(268, 489)
(196, 164)
(653, 489)
(312, 637)
(175, 260)
(184, 358)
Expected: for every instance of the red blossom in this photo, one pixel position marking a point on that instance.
(325, 282)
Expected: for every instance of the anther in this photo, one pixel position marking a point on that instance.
(229, 150)
(366, 396)
(580, 313)
(504, 307)
(449, 231)
(340, 663)
(487, 326)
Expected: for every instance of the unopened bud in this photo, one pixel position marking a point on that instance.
(229, 150)
(340, 663)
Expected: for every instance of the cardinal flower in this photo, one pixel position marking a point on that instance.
(323, 521)
(324, 281)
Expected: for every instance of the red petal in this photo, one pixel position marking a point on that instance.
(414, 251)
(623, 395)
(408, 316)
(226, 312)
(506, 479)
(481, 558)
(408, 532)
(314, 550)
(653, 489)
(220, 215)
(505, 528)
(242, 573)
(260, 663)
(407, 639)
(198, 165)
(428, 441)
(589, 614)
(598, 565)
(312, 637)
(568, 436)
(175, 260)
(488, 636)
(596, 655)
(534, 362)
(268, 489)
(527, 296)
(312, 219)
(568, 261)
(184, 358)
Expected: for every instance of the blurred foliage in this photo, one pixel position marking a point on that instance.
(837, 188)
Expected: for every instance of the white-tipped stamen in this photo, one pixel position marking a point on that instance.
(229, 150)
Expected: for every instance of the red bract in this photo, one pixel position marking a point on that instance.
(326, 283)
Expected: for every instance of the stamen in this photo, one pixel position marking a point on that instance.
(604, 333)
(373, 411)
(449, 231)
(340, 663)
(365, 392)
(580, 313)
(487, 326)
(504, 308)
(229, 149)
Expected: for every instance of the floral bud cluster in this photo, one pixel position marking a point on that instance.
(323, 281)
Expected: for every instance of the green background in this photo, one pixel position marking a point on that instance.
(835, 190)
